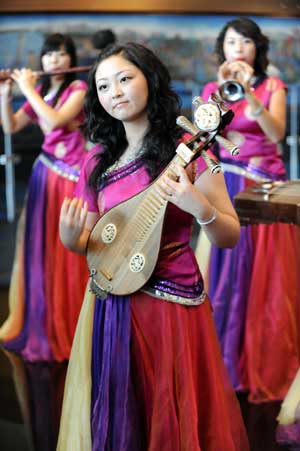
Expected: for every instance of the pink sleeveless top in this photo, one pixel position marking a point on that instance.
(65, 143)
(245, 131)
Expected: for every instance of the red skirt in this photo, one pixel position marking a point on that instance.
(184, 392)
(270, 355)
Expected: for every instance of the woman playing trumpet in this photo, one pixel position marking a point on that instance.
(253, 295)
(45, 297)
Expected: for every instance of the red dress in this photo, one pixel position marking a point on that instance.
(149, 366)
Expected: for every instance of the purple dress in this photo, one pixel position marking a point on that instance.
(46, 297)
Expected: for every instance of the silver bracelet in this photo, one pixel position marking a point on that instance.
(258, 111)
(210, 220)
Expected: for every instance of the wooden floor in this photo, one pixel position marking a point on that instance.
(31, 397)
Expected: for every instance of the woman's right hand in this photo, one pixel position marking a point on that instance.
(72, 221)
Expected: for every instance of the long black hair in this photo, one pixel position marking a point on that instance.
(55, 42)
(248, 28)
(163, 107)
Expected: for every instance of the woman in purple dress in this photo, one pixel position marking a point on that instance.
(48, 281)
(254, 287)
(146, 371)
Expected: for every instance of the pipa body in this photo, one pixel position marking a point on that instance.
(124, 244)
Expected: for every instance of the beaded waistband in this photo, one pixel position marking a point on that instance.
(173, 292)
(165, 290)
(60, 167)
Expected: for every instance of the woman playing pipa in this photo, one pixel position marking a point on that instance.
(146, 371)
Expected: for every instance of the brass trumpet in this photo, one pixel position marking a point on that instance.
(231, 91)
(40, 73)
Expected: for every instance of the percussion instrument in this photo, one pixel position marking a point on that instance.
(269, 202)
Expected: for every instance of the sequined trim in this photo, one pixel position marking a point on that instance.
(174, 292)
(250, 172)
(60, 167)
(176, 288)
(174, 298)
(111, 177)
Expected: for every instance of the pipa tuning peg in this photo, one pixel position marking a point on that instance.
(214, 166)
(197, 100)
(228, 145)
(217, 99)
(187, 125)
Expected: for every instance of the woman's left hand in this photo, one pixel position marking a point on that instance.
(72, 222)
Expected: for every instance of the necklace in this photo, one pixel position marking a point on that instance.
(124, 160)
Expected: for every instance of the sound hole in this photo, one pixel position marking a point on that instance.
(137, 263)
(109, 233)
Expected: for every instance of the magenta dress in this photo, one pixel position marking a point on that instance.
(158, 381)
(48, 281)
(254, 287)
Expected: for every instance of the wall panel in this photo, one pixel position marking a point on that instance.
(267, 7)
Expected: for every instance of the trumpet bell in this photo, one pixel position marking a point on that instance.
(231, 91)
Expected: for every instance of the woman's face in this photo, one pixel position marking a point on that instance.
(122, 89)
(237, 47)
(56, 60)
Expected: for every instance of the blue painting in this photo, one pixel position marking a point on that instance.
(184, 42)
